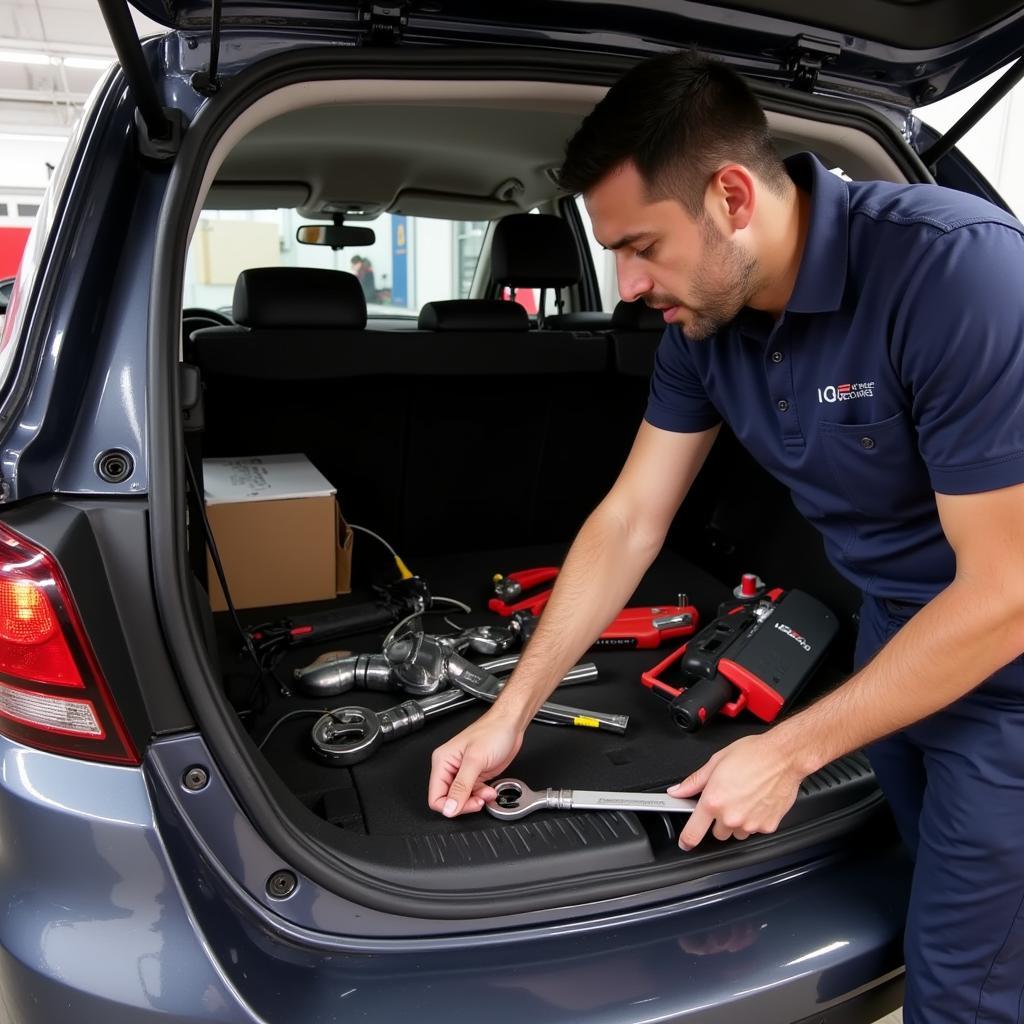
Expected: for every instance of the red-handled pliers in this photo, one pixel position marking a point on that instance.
(509, 591)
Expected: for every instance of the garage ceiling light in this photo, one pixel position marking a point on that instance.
(24, 57)
(92, 63)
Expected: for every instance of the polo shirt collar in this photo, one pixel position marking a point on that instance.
(821, 281)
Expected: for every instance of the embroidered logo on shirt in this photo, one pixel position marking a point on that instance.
(846, 392)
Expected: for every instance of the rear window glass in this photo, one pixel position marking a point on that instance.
(413, 261)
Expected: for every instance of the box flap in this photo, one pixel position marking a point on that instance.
(263, 478)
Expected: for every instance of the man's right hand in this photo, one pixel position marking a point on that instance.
(460, 768)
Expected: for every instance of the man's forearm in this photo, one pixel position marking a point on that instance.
(958, 639)
(604, 565)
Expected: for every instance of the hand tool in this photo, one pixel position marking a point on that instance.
(638, 628)
(418, 660)
(757, 655)
(509, 591)
(515, 800)
(329, 677)
(349, 735)
(641, 627)
(483, 639)
(395, 601)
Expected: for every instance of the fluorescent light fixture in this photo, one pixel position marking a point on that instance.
(25, 137)
(24, 57)
(90, 63)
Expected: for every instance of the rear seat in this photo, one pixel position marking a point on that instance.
(472, 431)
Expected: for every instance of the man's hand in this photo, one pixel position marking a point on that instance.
(748, 787)
(460, 768)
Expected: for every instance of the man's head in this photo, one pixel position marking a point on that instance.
(672, 164)
(356, 262)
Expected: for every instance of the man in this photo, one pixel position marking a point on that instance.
(866, 342)
(363, 269)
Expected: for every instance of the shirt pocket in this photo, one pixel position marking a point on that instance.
(877, 466)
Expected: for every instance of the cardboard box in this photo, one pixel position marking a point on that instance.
(279, 531)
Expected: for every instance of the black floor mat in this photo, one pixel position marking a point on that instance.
(386, 795)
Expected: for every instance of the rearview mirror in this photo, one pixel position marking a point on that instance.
(335, 235)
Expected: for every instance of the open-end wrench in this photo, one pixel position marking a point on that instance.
(515, 800)
(349, 735)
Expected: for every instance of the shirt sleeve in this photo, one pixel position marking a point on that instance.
(677, 399)
(958, 345)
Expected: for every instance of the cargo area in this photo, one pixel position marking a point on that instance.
(475, 454)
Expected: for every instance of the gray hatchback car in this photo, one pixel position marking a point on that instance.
(191, 831)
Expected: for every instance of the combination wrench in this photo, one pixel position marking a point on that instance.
(515, 800)
(348, 735)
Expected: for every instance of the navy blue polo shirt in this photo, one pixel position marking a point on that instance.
(895, 371)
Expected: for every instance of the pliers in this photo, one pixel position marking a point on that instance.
(643, 628)
(509, 591)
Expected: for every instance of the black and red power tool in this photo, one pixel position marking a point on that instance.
(755, 656)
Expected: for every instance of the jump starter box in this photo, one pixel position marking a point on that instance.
(756, 656)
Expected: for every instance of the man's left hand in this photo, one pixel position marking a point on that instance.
(745, 788)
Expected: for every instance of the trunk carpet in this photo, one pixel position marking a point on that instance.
(386, 795)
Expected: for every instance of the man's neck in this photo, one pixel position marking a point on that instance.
(782, 238)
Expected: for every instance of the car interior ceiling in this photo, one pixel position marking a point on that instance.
(476, 442)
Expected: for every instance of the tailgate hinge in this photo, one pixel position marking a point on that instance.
(806, 57)
(383, 23)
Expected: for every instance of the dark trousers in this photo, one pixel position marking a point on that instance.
(955, 782)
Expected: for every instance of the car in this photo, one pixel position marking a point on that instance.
(179, 841)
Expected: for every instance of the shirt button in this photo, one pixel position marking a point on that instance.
(867, 442)
(782, 405)
(776, 357)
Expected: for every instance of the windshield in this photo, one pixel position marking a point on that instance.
(413, 260)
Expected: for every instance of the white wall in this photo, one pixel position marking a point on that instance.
(996, 145)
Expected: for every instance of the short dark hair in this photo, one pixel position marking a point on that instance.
(678, 117)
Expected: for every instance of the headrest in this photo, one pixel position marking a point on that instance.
(534, 250)
(299, 297)
(637, 316)
(473, 315)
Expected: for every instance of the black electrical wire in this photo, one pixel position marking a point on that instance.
(211, 545)
(284, 718)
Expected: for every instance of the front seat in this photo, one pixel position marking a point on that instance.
(537, 250)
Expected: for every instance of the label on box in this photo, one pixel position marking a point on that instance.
(263, 478)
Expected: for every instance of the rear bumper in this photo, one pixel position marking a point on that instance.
(93, 926)
(111, 915)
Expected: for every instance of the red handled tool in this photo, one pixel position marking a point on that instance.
(755, 656)
(510, 590)
(645, 628)
(637, 628)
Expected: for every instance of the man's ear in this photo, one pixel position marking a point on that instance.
(730, 197)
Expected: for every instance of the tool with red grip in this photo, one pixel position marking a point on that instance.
(635, 629)
(509, 591)
(755, 656)
(638, 628)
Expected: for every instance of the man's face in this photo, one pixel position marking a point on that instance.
(682, 265)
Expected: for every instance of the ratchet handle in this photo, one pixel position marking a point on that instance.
(703, 700)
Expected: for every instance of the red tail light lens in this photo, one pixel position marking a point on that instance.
(52, 693)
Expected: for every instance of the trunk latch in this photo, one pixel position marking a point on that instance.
(384, 23)
(805, 59)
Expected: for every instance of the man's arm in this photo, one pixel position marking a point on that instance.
(968, 631)
(613, 549)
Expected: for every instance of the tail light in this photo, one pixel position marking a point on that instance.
(52, 693)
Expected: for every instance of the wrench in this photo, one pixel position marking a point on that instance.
(418, 659)
(349, 735)
(516, 800)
